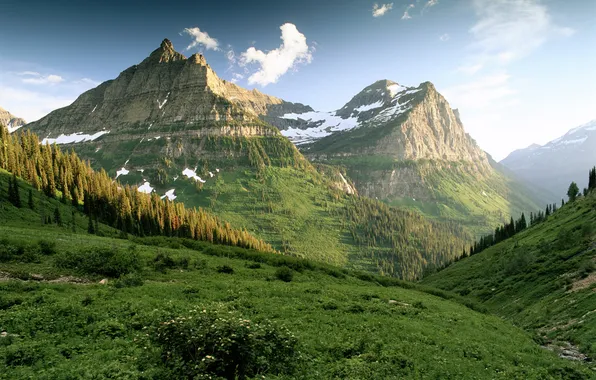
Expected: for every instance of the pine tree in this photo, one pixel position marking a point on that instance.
(74, 222)
(30, 200)
(90, 227)
(57, 216)
(13, 191)
(592, 179)
(573, 191)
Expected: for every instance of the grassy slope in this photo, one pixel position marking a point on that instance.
(346, 327)
(542, 279)
(457, 193)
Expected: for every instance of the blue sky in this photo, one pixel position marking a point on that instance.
(520, 71)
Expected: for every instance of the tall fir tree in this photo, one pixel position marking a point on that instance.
(57, 216)
(30, 202)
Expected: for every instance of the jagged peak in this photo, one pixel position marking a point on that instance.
(198, 59)
(164, 53)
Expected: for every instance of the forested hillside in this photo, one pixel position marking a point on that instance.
(542, 278)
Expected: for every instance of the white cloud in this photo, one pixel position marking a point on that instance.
(483, 92)
(277, 62)
(201, 39)
(37, 78)
(444, 37)
(470, 69)
(507, 30)
(379, 11)
(87, 81)
(430, 3)
(406, 15)
(29, 73)
(236, 77)
(31, 105)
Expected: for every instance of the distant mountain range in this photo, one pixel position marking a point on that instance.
(10, 121)
(556, 164)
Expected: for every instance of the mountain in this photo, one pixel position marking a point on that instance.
(406, 146)
(10, 121)
(169, 125)
(542, 279)
(556, 164)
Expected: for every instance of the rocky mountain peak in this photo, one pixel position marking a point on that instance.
(10, 121)
(164, 53)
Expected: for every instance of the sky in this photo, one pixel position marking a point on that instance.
(519, 71)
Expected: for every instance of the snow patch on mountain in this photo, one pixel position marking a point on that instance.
(169, 194)
(395, 89)
(145, 188)
(73, 138)
(192, 174)
(369, 107)
(122, 171)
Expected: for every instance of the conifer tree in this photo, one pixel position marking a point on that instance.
(30, 200)
(90, 227)
(13, 191)
(592, 179)
(57, 216)
(573, 191)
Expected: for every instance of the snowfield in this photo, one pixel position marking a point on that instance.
(73, 138)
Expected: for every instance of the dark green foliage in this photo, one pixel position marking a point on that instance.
(13, 191)
(592, 179)
(30, 202)
(16, 251)
(218, 342)
(225, 269)
(285, 274)
(129, 280)
(90, 226)
(110, 262)
(57, 216)
(573, 192)
(47, 247)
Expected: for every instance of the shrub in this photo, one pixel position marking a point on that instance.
(46, 247)
(163, 261)
(110, 262)
(129, 280)
(17, 251)
(221, 343)
(253, 265)
(225, 269)
(285, 274)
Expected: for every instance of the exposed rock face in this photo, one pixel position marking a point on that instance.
(10, 121)
(163, 90)
(556, 164)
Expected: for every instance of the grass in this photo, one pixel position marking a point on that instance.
(541, 279)
(345, 326)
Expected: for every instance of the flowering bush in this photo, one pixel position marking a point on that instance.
(221, 343)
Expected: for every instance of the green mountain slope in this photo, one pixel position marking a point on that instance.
(542, 279)
(61, 323)
(407, 147)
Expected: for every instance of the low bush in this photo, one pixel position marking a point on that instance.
(129, 280)
(285, 274)
(221, 343)
(225, 269)
(17, 251)
(110, 262)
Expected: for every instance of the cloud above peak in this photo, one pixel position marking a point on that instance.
(406, 15)
(378, 11)
(32, 77)
(275, 63)
(201, 38)
(507, 30)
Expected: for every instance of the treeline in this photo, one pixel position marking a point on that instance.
(512, 228)
(65, 176)
(402, 243)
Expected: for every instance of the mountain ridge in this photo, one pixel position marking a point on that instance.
(10, 121)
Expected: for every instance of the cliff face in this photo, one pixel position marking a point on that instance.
(163, 90)
(10, 121)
